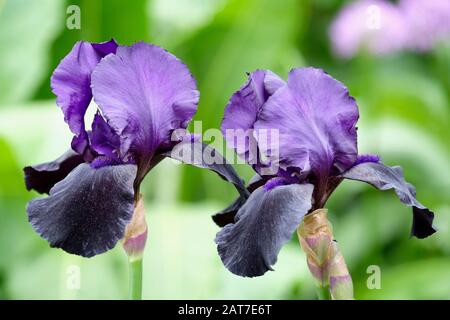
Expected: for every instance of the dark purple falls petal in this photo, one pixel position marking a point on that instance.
(249, 247)
(204, 156)
(383, 177)
(71, 83)
(43, 177)
(226, 216)
(87, 212)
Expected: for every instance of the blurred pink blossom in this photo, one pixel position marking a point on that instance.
(381, 27)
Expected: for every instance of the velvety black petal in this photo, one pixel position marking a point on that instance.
(249, 247)
(87, 212)
(204, 156)
(227, 215)
(42, 177)
(383, 177)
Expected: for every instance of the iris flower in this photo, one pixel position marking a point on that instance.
(145, 96)
(316, 149)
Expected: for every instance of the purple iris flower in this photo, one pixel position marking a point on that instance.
(144, 96)
(316, 149)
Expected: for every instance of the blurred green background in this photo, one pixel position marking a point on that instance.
(404, 106)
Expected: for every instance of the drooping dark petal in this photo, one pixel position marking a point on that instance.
(204, 156)
(242, 111)
(249, 247)
(87, 212)
(71, 83)
(384, 178)
(255, 182)
(42, 177)
(226, 216)
(144, 93)
(104, 140)
(316, 121)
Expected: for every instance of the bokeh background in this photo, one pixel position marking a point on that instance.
(404, 105)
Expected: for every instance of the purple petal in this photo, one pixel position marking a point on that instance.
(105, 48)
(71, 83)
(362, 158)
(384, 178)
(315, 118)
(226, 216)
(87, 212)
(242, 111)
(276, 182)
(104, 140)
(249, 246)
(144, 93)
(205, 156)
(42, 177)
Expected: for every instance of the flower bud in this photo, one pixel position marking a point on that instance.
(325, 261)
(136, 233)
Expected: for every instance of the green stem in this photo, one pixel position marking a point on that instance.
(135, 270)
(323, 293)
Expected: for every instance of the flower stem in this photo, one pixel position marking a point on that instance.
(323, 292)
(135, 270)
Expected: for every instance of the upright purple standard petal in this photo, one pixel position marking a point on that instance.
(144, 93)
(316, 120)
(71, 83)
(242, 110)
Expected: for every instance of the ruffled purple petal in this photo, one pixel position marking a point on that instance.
(144, 93)
(242, 111)
(71, 83)
(104, 140)
(316, 121)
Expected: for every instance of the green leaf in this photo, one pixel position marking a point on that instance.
(27, 29)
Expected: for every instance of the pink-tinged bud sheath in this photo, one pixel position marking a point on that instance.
(136, 233)
(325, 261)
